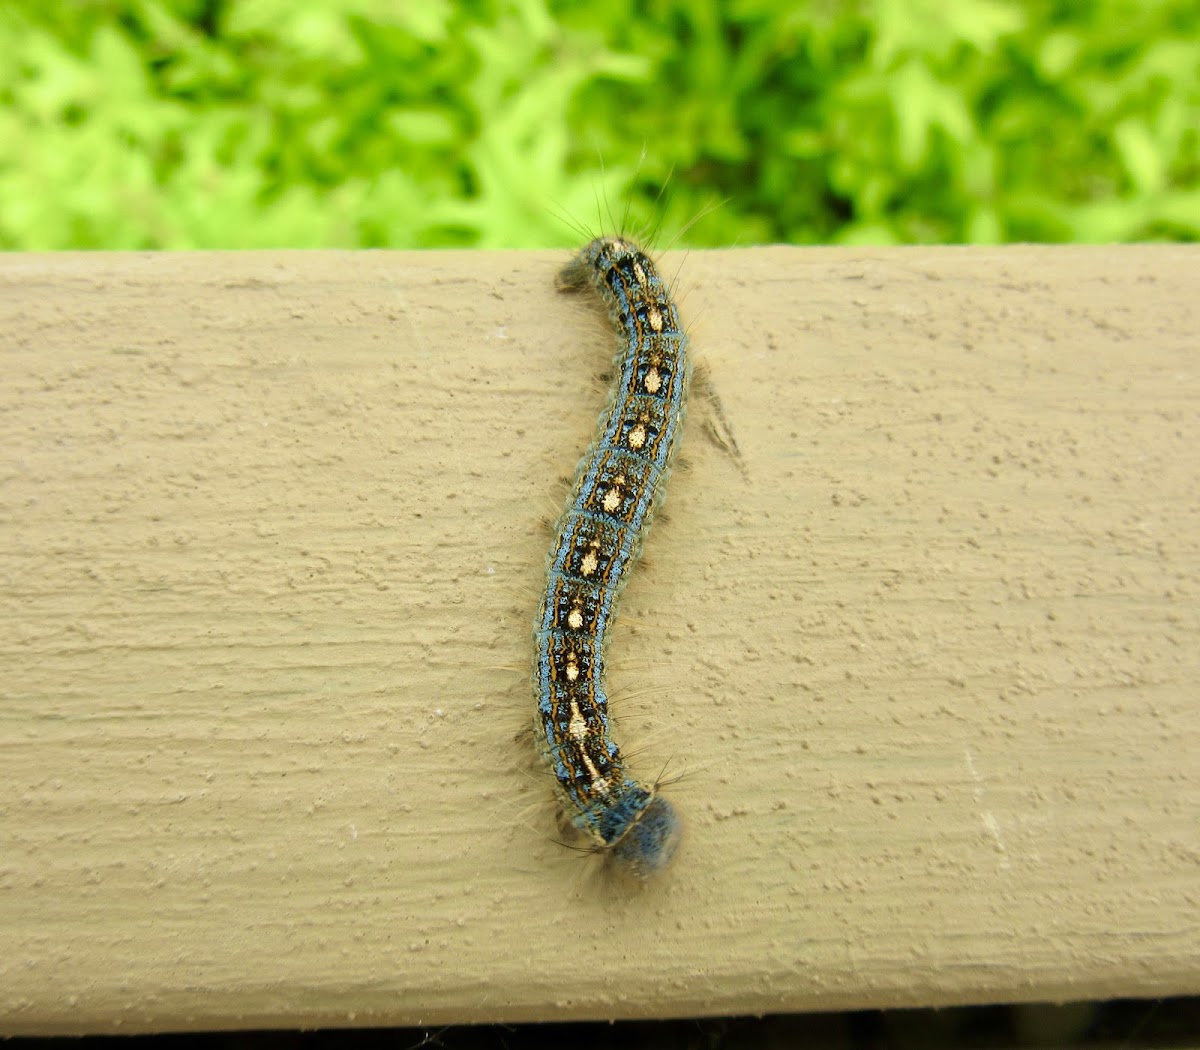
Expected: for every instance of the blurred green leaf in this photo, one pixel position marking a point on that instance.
(500, 123)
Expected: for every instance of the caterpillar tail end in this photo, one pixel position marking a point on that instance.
(573, 276)
(580, 271)
(646, 850)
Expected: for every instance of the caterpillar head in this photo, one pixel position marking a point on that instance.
(648, 847)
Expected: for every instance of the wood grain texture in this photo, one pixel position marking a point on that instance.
(271, 547)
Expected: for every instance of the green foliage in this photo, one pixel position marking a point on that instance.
(513, 123)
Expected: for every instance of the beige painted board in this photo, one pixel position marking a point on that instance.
(272, 539)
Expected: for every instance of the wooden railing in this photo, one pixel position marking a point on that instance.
(926, 655)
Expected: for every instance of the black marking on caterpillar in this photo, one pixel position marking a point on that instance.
(618, 484)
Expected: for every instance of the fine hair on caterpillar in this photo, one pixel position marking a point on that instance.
(648, 232)
(618, 484)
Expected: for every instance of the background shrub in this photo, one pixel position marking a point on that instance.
(267, 123)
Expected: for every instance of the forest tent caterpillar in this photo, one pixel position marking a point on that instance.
(617, 486)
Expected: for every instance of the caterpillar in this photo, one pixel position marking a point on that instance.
(618, 484)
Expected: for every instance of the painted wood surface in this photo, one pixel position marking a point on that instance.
(272, 539)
